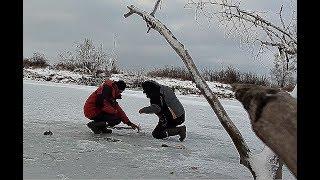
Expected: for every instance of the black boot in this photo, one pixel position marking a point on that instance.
(92, 125)
(105, 130)
(99, 127)
(103, 127)
(181, 131)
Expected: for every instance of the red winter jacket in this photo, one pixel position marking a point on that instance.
(109, 106)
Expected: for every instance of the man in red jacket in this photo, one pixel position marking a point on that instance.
(102, 107)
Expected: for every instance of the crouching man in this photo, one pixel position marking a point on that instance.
(102, 108)
(165, 104)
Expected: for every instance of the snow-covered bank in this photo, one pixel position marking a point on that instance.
(133, 81)
(74, 152)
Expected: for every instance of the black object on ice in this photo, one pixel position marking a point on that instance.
(164, 145)
(48, 133)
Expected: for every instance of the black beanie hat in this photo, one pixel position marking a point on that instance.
(150, 87)
(121, 85)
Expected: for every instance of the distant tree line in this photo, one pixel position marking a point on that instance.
(89, 59)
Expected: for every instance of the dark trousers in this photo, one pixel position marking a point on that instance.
(160, 131)
(108, 118)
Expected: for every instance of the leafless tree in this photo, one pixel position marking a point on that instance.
(283, 72)
(89, 56)
(86, 56)
(256, 30)
(251, 26)
(246, 157)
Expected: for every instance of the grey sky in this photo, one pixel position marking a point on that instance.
(50, 26)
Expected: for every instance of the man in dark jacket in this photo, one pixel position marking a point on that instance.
(102, 107)
(167, 107)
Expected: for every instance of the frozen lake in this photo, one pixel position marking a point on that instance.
(74, 152)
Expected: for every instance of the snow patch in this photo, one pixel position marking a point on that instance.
(264, 164)
(293, 93)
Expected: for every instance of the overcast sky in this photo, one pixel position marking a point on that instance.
(51, 26)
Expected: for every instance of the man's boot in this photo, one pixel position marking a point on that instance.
(92, 125)
(102, 126)
(181, 131)
(99, 127)
(105, 130)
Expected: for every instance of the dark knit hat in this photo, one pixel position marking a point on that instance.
(121, 85)
(150, 87)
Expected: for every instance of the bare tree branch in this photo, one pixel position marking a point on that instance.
(281, 19)
(155, 8)
(281, 46)
(153, 12)
(242, 21)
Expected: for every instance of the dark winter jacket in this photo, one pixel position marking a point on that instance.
(163, 101)
(104, 100)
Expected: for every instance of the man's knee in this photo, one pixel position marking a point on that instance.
(180, 119)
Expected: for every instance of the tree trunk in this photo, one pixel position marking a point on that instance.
(273, 115)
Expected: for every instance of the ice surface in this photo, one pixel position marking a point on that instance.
(74, 152)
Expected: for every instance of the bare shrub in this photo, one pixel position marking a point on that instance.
(228, 76)
(90, 81)
(66, 66)
(38, 60)
(171, 72)
(250, 78)
(231, 75)
(27, 63)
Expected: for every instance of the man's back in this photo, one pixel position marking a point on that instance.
(171, 100)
